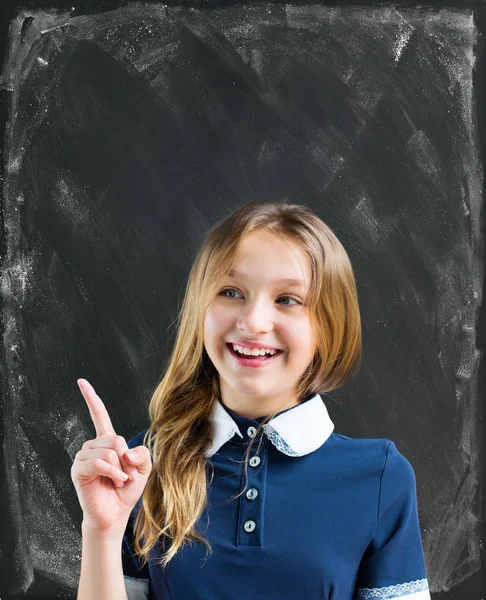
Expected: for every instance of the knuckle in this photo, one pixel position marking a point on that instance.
(120, 444)
(97, 463)
(110, 455)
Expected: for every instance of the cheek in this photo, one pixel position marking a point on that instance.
(216, 324)
(305, 338)
(209, 323)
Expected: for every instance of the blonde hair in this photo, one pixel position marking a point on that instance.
(179, 434)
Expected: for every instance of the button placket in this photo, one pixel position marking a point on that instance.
(251, 504)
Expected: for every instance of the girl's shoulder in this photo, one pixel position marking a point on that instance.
(362, 443)
(382, 452)
(379, 444)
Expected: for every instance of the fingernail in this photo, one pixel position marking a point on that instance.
(132, 455)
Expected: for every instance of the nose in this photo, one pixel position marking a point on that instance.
(255, 317)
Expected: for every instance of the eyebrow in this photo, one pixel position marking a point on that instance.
(286, 281)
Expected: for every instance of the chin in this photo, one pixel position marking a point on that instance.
(253, 391)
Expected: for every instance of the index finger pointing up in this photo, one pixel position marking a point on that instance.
(97, 410)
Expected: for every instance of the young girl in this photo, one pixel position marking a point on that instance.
(239, 488)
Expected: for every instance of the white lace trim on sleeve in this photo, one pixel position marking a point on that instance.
(412, 590)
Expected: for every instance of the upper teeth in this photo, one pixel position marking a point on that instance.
(254, 351)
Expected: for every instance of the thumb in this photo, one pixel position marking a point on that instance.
(140, 457)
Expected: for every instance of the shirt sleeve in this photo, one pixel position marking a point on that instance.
(136, 578)
(393, 565)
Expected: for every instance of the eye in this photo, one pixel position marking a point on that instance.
(297, 302)
(223, 292)
(227, 290)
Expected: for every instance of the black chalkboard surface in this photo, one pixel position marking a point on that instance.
(130, 128)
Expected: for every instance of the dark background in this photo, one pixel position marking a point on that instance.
(128, 134)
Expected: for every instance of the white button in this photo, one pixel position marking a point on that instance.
(249, 526)
(251, 432)
(252, 494)
(254, 461)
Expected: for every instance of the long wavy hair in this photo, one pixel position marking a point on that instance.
(175, 495)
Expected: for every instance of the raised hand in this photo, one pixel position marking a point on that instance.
(108, 481)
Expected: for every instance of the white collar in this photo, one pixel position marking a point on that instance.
(295, 432)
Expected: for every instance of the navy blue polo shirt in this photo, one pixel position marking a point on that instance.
(324, 517)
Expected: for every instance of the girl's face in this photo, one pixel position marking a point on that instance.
(257, 307)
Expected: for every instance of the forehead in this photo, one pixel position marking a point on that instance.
(262, 255)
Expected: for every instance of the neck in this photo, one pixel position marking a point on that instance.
(255, 407)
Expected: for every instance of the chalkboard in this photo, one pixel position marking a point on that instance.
(131, 128)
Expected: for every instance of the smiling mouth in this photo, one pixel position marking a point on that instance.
(259, 358)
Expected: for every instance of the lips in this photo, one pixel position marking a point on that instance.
(254, 361)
